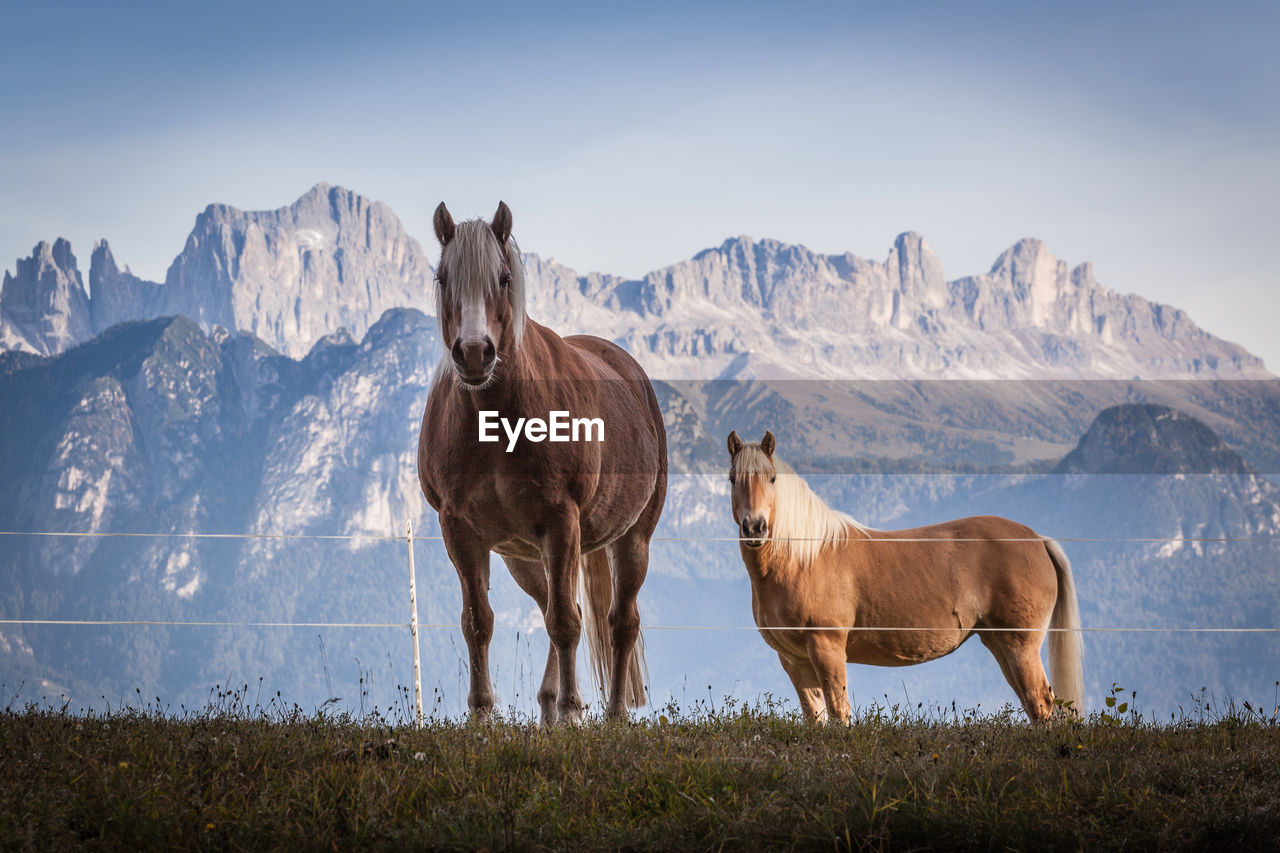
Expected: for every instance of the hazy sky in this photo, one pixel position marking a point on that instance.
(1143, 137)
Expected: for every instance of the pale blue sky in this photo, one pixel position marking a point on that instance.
(1142, 137)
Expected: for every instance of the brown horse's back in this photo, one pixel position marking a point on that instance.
(618, 360)
(980, 571)
(632, 378)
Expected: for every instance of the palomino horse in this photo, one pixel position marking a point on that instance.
(551, 508)
(818, 576)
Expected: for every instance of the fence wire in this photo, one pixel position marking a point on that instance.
(372, 537)
(410, 538)
(1104, 629)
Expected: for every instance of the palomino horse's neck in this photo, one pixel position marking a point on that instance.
(781, 561)
(770, 562)
(758, 569)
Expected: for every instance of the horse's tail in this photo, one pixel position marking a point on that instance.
(1066, 644)
(597, 597)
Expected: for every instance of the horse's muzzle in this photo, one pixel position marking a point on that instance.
(753, 531)
(474, 359)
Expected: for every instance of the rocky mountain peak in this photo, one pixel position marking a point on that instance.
(918, 272)
(742, 244)
(331, 259)
(1082, 276)
(50, 266)
(340, 338)
(1022, 258)
(1034, 276)
(744, 273)
(1150, 439)
(117, 295)
(58, 256)
(320, 192)
(44, 307)
(102, 264)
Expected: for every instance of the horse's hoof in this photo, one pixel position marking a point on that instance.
(618, 715)
(570, 715)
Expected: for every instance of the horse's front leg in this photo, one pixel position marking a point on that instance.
(808, 688)
(471, 560)
(532, 578)
(828, 656)
(561, 551)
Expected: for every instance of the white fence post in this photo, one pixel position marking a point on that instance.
(413, 628)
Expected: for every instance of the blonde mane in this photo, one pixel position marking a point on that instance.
(474, 259)
(803, 524)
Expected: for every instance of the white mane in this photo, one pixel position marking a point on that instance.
(803, 524)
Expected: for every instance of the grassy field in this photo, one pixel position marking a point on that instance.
(729, 778)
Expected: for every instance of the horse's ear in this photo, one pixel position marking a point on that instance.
(735, 443)
(768, 443)
(444, 224)
(501, 224)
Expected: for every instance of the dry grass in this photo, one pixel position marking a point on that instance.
(233, 777)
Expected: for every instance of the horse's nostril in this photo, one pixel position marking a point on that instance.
(474, 356)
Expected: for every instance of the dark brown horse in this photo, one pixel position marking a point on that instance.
(553, 508)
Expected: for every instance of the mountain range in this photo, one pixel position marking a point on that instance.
(332, 260)
(283, 401)
(745, 309)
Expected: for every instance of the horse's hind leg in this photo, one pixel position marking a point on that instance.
(629, 563)
(532, 578)
(1019, 656)
(808, 688)
(471, 560)
(561, 550)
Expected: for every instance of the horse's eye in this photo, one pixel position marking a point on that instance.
(731, 480)
(773, 478)
(440, 280)
(505, 279)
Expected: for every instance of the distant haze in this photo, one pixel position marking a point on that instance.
(1141, 137)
